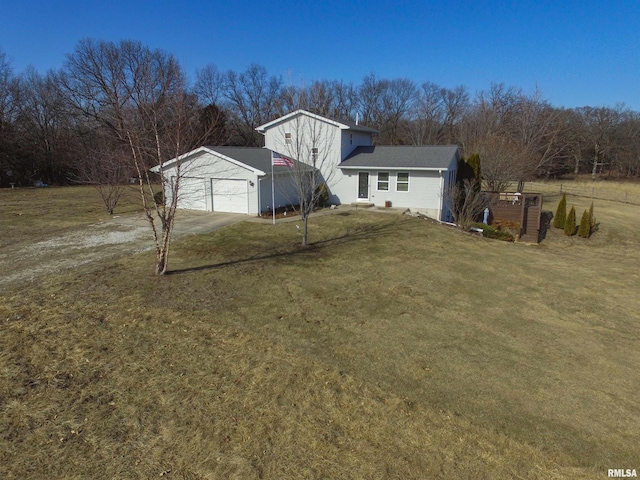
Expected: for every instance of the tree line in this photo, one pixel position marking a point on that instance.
(77, 124)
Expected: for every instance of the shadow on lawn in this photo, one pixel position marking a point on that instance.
(351, 235)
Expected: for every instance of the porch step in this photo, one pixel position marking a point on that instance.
(362, 205)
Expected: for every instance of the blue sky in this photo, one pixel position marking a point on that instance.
(576, 52)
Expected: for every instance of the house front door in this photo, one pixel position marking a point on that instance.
(363, 186)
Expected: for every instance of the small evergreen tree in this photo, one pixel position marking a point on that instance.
(570, 222)
(585, 225)
(561, 213)
(474, 163)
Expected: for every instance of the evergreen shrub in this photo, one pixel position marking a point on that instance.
(570, 223)
(561, 213)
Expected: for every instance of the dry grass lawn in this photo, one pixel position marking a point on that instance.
(390, 348)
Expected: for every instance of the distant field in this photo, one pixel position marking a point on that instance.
(392, 347)
(625, 192)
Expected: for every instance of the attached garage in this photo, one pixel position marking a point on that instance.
(229, 179)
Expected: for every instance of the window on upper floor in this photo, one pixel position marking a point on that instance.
(351, 139)
(383, 181)
(402, 182)
(287, 138)
(314, 154)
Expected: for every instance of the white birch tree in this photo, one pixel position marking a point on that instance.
(139, 96)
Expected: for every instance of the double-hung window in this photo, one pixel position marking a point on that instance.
(383, 181)
(287, 138)
(402, 182)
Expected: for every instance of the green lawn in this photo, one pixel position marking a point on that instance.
(392, 347)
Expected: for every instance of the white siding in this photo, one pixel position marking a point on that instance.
(424, 190)
(207, 167)
(360, 139)
(285, 192)
(328, 141)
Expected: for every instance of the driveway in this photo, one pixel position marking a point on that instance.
(187, 221)
(120, 235)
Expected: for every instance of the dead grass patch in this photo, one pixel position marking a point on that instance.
(390, 348)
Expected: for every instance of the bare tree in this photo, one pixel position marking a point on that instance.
(456, 103)
(466, 202)
(310, 144)
(139, 95)
(45, 127)
(8, 108)
(370, 94)
(252, 98)
(427, 116)
(397, 103)
(210, 84)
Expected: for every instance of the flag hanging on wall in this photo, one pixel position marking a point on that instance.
(278, 160)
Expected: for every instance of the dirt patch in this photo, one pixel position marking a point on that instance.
(27, 261)
(31, 258)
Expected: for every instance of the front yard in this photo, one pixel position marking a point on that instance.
(390, 348)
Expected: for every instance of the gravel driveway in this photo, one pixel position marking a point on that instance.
(120, 235)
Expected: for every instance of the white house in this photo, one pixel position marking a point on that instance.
(356, 171)
(235, 179)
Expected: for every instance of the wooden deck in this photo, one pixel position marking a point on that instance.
(522, 208)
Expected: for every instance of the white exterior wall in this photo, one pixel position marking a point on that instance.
(424, 190)
(207, 166)
(329, 144)
(336, 143)
(360, 139)
(285, 191)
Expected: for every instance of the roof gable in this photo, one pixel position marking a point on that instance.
(432, 157)
(255, 159)
(341, 124)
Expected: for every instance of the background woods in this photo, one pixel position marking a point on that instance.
(54, 126)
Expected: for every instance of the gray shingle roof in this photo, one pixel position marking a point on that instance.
(256, 157)
(395, 157)
(357, 127)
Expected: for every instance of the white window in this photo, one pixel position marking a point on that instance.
(287, 138)
(402, 182)
(383, 181)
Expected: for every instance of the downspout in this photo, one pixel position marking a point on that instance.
(259, 197)
(441, 196)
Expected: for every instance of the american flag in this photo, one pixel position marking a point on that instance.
(278, 160)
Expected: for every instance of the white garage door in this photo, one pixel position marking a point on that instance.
(192, 193)
(230, 195)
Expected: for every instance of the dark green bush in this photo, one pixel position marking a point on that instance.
(584, 230)
(158, 198)
(322, 196)
(570, 223)
(489, 231)
(561, 213)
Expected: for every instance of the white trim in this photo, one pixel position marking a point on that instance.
(266, 126)
(400, 169)
(408, 182)
(368, 198)
(183, 158)
(388, 180)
